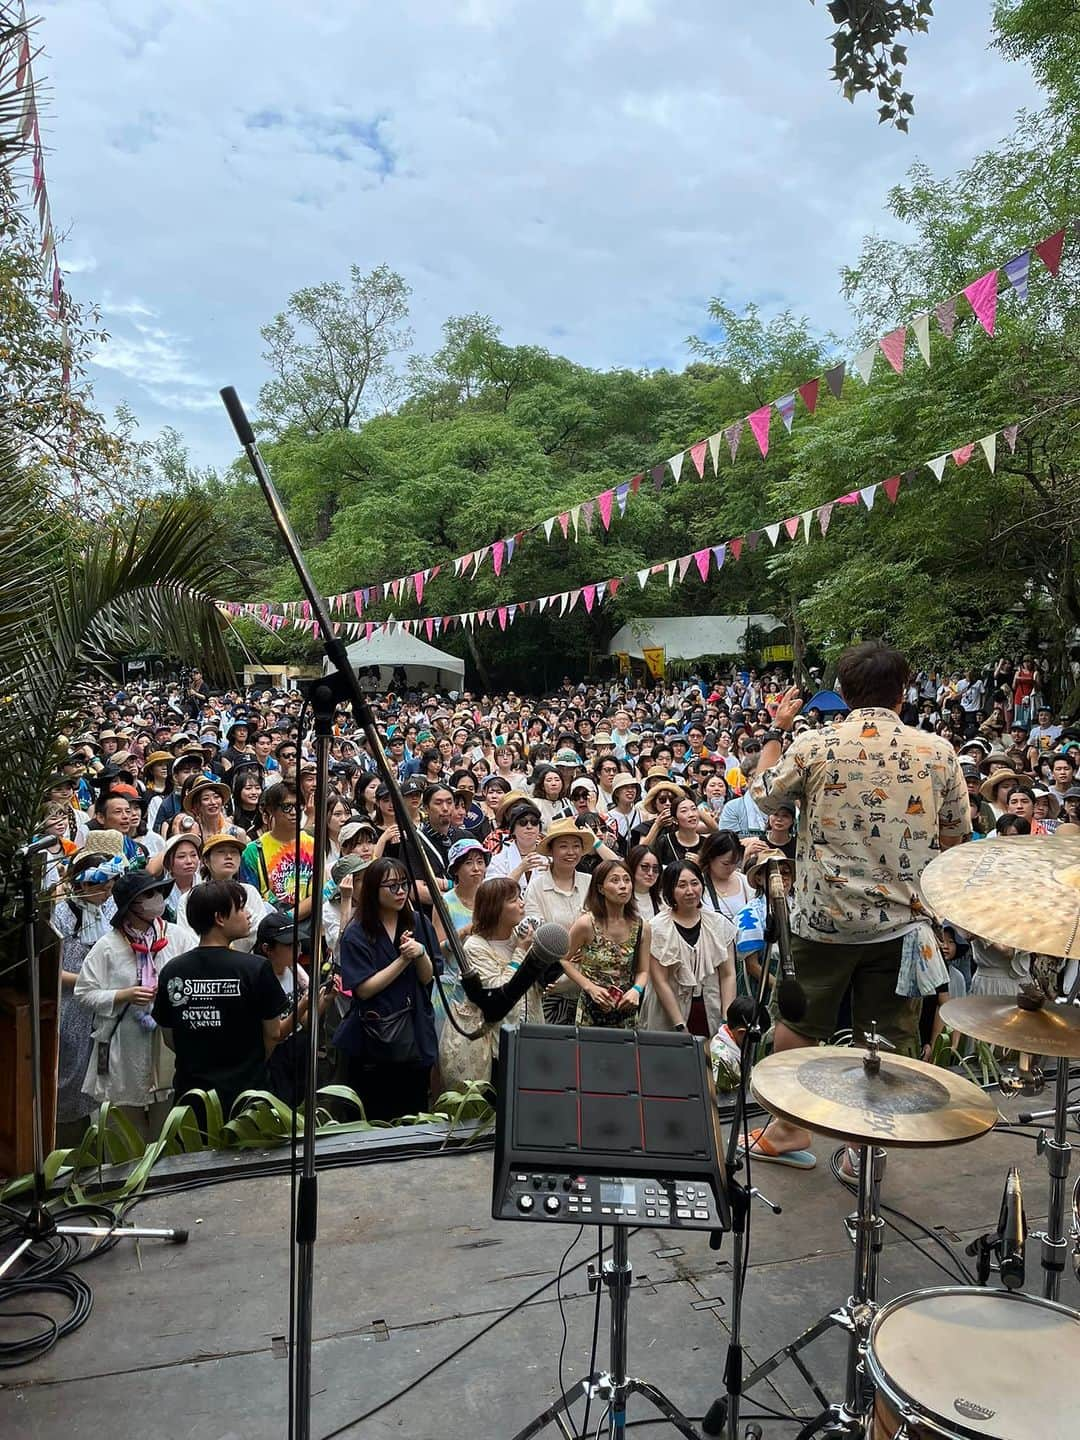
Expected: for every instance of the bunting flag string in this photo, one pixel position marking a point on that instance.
(593, 594)
(20, 60)
(980, 295)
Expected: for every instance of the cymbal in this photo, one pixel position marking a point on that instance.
(1019, 890)
(997, 1019)
(907, 1103)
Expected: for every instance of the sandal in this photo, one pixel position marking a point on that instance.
(762, 1149)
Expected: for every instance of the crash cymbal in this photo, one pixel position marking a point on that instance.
(997, 1019)
(907, 1103)
(1019, 890)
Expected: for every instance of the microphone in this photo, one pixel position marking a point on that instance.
(790, 995)
(46, 842)
(1012, 1232)
(540, 966)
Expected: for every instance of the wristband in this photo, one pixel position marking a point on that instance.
(775, 734)
(640, 990)
(680, 1029)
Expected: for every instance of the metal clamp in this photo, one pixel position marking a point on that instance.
(873, 1042)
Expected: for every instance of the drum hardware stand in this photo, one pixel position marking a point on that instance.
(39, 1223)
(866, 1227)
(1058, 1154)
(613, 1386)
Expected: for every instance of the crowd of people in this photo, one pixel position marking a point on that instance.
(643, 819)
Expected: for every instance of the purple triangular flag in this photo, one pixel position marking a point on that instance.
(1016, 272)
(786, 408)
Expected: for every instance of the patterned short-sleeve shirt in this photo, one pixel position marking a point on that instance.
(874, 796)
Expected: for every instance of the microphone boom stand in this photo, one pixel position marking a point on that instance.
(340, 684)
(722, 1416)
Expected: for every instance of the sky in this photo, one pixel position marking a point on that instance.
(587, 172)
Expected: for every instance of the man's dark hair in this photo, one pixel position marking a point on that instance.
(1012, 825)
(216, 897)
(872, 674)
(436, 789)
(272, 797)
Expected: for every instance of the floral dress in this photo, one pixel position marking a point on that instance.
(612, 964)
(78, 933)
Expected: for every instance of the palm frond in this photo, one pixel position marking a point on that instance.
(141, 581)
(13, 33)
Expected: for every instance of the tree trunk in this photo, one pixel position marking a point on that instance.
(481, 668)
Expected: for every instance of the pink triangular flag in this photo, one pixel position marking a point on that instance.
(824, 515)
(418, 586)
(588, 594)
(735, 546)
(701, 560)
(946, 316)
(613, 585)
(982, 295)
(358, 602)
(891, 486)
(892, 347)
(733, 434)
(809, 393)
(502, 617)
(1010, 433)
(759, 423)
(792, 527)
(1049, 250)
(429, 626)
(604, 500)
(564, 523)
(684, 565)
(963, 454)
(851, 498)
(697, 456)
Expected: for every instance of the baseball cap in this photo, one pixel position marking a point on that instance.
(274, 929)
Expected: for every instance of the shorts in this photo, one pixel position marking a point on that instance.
(870, 969)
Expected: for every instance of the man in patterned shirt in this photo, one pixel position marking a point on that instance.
(878, 800)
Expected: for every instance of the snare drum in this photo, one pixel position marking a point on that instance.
(967, 1364)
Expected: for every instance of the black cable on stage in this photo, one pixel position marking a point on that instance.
(562, 1307)
(505, 1315)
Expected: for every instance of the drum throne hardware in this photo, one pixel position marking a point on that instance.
(863, 1099)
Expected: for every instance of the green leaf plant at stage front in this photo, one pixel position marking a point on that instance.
(258, 1121)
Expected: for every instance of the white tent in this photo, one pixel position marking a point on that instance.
(685, 637)
(422, 663)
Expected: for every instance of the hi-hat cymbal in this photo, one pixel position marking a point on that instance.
(997, 1019)
(827, 1088)
(1019, 890)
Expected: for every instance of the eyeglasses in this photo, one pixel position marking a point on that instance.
(288, 807)
(646, 869)
(399, 887)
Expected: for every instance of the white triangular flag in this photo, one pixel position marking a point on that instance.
(549, 525)
(864, 362)
(869, 495)
(938, 466)
(601, 591)
(575, 515)
(773, 532)
(642, 577)
(921, 327)
(989, 449)
(564, 600)
(714, 451)
(676, 464)
(807, 520)
(671, 572)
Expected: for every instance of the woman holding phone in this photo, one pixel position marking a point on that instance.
(388, 955)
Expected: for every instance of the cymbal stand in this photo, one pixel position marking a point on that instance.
(866, 1227)
(1058, 1154)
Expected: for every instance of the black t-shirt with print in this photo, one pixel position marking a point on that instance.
(214, 1001)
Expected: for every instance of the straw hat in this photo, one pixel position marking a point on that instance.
(157, 757)
(214, 842)
(665, 787)
(190, 837)
(200, 787)
(103, 842)
(562, 830)
(762, 857)
(512, 797)
(999, 777)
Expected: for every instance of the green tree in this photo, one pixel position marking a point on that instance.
(330, 350)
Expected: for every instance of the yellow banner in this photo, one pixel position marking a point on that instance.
(654, 659)
(623, 657)
(773, 653)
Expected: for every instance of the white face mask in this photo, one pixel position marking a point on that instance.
(148, 907)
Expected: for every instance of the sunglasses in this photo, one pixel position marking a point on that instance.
(750, 749)
(288, 807)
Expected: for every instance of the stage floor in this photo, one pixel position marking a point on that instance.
(185, 1343)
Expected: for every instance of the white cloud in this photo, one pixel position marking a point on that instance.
(78, 265)
(587, 174)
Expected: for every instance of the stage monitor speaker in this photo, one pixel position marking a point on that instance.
(608, 1127)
